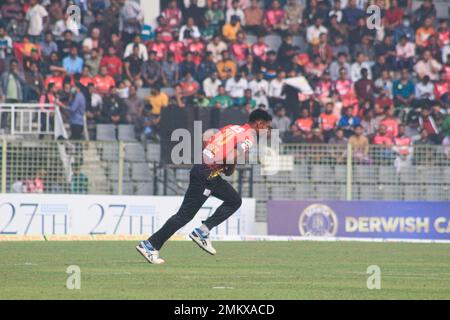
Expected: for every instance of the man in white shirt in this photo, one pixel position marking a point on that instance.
(276, 87)
(360, 63)
(405, 52)
(236, 86)
(189, 30)
(143, 54)
(37, 18)
(260, 89)
(235, 10)
(216, 47)
(425, 89)
(313, 32)
(211, 85)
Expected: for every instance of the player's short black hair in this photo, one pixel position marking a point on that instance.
(259, 114)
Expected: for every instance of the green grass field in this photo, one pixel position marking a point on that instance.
(241, 270)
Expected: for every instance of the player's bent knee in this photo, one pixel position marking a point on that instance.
(236, 204)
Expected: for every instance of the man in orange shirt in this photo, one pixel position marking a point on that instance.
(381, 138)
(103, 81)
(305, 122)
(390, 122)
(328, 121)
(424, 32)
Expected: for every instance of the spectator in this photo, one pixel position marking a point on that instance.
(405, 53)
(305, 122)
(336, 65)
(280, 121)
(151, 71)
(236, 87)
(226, 67)
(427, 66)
(424, 92)
(18, 27)
(214, 17)
(390, 123)
(360, 145)
(11, 85)
(189, 87)
(134, 106)
(211, 85)
(403, 91)
(170, 71)
(313, 32)
(104, 82)
(360, 63)
(328, 122)
(157, 100)
(131, 19)
(364, 87)
(189, 30)
(293, 15)
(143, 54)
(427, 122)
(260, 89)
(424, 33)
(172, 14)
(93, 62)
(369, 123)
(260, 48)
(235, 11)
(112, 63)
(92, 42)
(294, 135)
(222, 100)
(216, 47)
(276, 94)
(114, 109)
(254, 17)
(37, 18)
(348, 122)
(274, 20)
(188, 65)
(231, 29)
(133, 67)
(240, 49)
(442, 89)
(382, 138)
(48, 46)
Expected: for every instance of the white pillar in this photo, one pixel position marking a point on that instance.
(151, 9)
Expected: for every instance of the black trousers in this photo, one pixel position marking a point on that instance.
(76, 132)
(195, 197)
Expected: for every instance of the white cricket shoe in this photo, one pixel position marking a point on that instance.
(149, 253)
(202, 241)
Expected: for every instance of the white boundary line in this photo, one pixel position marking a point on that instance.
(320, 239)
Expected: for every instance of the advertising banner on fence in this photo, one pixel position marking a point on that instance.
(50, 214)
(360, 219)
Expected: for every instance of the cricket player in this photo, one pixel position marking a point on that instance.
(219, 156)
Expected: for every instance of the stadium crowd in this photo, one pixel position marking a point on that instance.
(387, 85)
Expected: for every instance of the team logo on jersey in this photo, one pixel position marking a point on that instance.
(318, 220)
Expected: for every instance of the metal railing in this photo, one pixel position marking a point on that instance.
(323, 171)
(31, 119)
